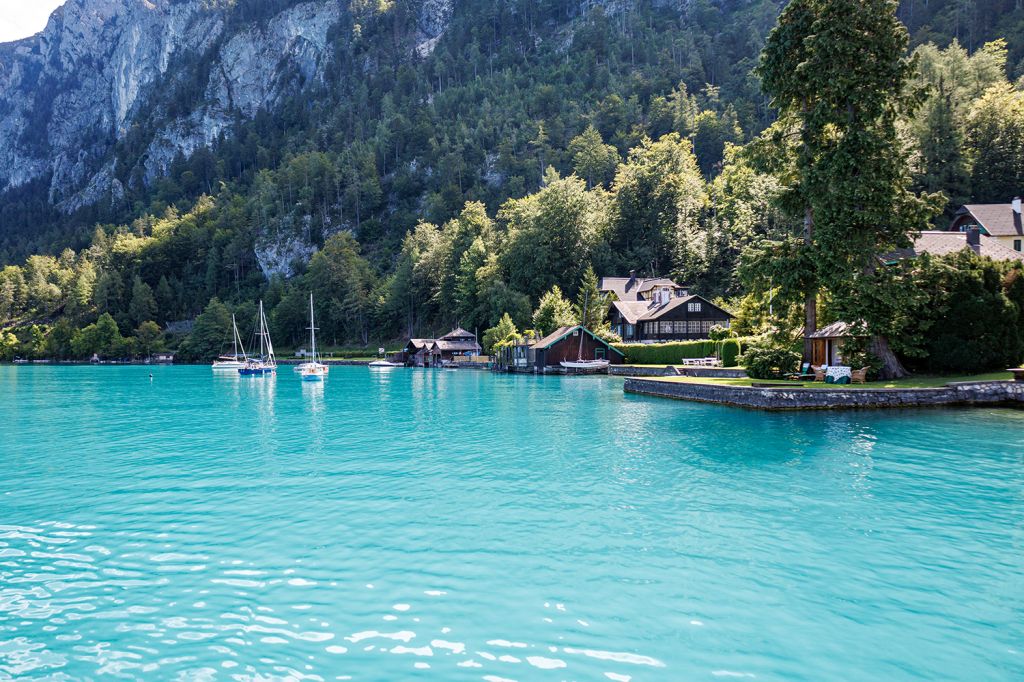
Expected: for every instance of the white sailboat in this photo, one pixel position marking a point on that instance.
(314, 370)
(230, 363)
(266, 363)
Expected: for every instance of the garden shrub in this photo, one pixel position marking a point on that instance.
(770, 362)
(673, 353)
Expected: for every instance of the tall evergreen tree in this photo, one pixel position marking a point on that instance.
(837, 71)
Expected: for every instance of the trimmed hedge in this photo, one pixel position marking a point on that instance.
(674, 352)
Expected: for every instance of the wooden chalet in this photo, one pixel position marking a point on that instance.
(542, 356)
(659, 310)
(1001, 222)
(435, 352)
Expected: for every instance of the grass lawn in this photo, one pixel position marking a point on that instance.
(921, 381)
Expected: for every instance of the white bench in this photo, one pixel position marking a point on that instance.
(702, 362)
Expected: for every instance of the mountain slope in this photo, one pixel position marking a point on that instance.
(121, 108)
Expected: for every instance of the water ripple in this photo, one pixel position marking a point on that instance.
(461, 525)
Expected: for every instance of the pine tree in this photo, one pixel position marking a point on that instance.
(553, 311)
(943, 168)
(143, 304)
(837, 71)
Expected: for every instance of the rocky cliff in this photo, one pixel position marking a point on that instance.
(70, 93)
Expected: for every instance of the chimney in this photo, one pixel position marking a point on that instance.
(1016, 205)
(632, 273)
(974, 236)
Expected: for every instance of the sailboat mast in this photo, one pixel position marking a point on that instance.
(262, 333)
(234, 335)
(586, 300)
(266, 332)
(312, 327)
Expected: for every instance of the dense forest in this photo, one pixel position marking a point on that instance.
(538, 146)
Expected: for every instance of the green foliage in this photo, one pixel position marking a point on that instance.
(102, 338)
(770, 362)
(9, 345)
(342, 283)
(551, 235)
(149, 338)
(592, 159)
(500, 333)
(212, 329)
(553, 311)
(976, 326)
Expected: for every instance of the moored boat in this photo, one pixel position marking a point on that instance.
(314, 370)
(386, 364)
(266, 363)
(579, 364)
(235, 361)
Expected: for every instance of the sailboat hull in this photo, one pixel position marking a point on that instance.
(585, 365)
(256, 371)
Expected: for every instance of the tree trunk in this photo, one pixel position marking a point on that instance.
(892, 368)
(811, 302)
(810, 324)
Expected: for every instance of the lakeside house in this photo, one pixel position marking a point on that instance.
(657, 310)
(543, 356)
(1001, 222)
(940, 243)
(456, 344)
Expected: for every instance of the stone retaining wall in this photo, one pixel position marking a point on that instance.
(643, 371)
(972, 393)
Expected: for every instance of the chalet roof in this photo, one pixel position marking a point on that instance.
(420, 344)
(943, 243)
(562, 332)
(455, 345)
(632, 311)
(627, 288)
(836, 330)
(647, 311)
(999, 220)
(459, 333)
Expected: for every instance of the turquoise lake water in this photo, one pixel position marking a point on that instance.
(457, 525)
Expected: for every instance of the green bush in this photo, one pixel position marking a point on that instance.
(770, 362)
(673, 353)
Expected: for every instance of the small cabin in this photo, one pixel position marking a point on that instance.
(543, 356)
(827, 343)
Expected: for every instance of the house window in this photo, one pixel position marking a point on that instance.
(694, 327)
(693, 307)
(666, 328)
(1016, 244)
(679, 327)
(630, 330)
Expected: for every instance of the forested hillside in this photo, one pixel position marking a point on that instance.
(431, 163)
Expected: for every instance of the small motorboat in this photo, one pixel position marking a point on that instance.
(385, 364)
